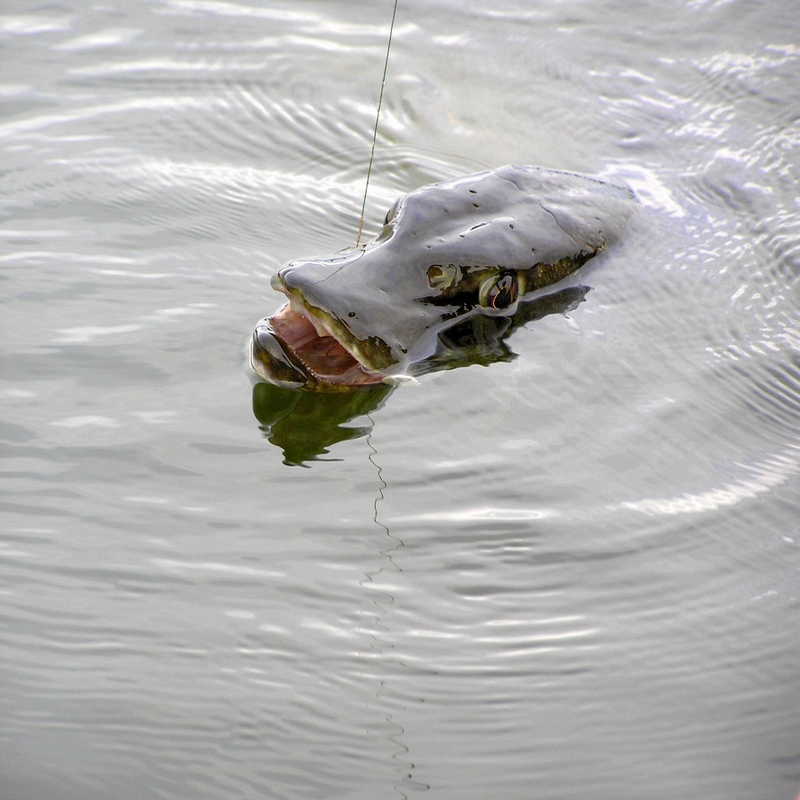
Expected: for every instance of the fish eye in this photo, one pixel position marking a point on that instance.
(499, 292)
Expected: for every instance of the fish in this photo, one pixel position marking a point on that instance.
(457, 250)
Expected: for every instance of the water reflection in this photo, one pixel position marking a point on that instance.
(304, 424)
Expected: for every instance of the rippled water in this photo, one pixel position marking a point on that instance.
(572, 574)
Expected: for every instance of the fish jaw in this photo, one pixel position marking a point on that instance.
(292, 350)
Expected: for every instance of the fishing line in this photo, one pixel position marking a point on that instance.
(375, 132)
(383, 485)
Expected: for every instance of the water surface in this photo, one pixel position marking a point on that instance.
(573, 573)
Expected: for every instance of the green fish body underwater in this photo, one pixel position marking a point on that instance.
(448, 253)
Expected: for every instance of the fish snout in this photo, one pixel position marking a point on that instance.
(303, 275)
(296, 277)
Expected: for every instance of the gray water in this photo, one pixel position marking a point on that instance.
(571, 574)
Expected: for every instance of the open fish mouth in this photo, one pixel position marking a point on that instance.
(294, 349)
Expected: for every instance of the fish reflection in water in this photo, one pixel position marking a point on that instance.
(305, 424)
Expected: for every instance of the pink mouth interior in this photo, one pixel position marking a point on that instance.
(323, 356)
